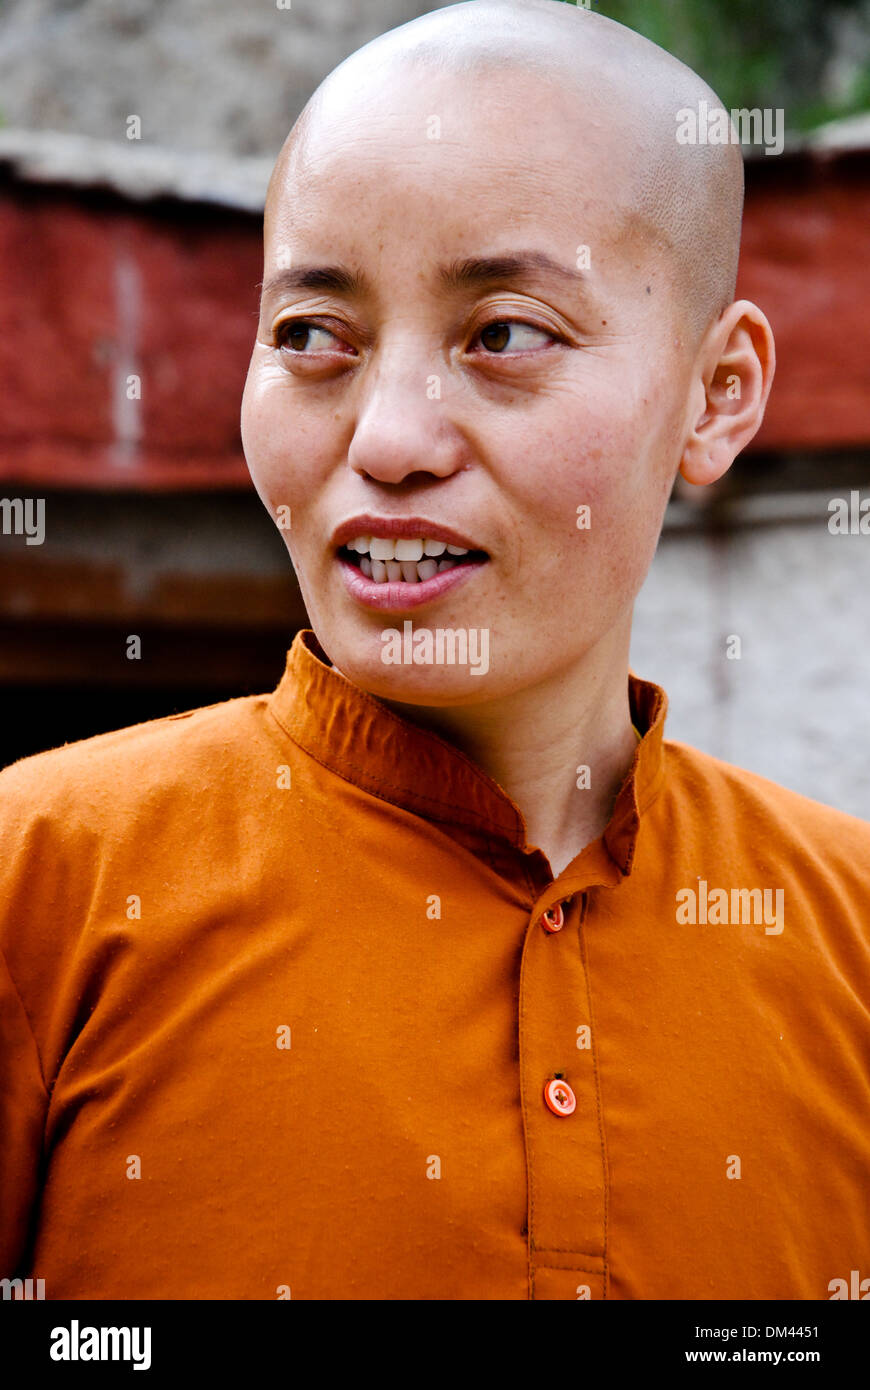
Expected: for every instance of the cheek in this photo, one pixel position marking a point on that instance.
(286, 455)
(589, 487)
(579, 478)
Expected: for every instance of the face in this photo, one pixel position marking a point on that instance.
(531, 412)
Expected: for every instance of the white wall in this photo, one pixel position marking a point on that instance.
(796, 706)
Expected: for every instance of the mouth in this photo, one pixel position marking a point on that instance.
(406, 560)
(405, 570)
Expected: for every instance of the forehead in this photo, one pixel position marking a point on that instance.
(420, 154)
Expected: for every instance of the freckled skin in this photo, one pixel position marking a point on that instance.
(603, 393)
(513, 446)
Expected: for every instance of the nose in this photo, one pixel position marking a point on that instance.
(403, 426)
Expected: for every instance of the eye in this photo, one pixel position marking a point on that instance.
(302, 335)
(513, 335)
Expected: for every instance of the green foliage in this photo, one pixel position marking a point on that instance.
(797, 54)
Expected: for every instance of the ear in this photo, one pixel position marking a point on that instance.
(736, 365)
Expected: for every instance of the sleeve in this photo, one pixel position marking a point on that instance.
(26, 972)
(23, 1106)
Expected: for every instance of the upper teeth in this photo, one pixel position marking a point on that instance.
(388, 548)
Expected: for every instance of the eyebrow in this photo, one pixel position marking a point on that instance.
(470, 273)
(481, 270)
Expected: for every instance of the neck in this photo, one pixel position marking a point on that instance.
(537, 742)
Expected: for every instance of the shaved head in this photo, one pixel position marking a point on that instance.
(498, 296)
(684, 200)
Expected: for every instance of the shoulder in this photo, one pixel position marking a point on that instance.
(735, 806)
(99, 779)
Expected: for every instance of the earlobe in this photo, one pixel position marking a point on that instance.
(704, 466)
(737, 366)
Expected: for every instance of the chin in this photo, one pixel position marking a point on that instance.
(417, 660)
(434, 685)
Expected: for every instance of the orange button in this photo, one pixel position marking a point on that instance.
(560, 1098)
(553, 919)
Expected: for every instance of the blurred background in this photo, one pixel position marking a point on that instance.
(136, 142)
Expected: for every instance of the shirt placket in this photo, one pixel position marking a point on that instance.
(565, 1150)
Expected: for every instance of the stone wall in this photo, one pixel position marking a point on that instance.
(795, 705)
(203, 75)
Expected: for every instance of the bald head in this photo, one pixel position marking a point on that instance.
(684, 201)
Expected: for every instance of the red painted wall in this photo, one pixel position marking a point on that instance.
(94, 288)
(806, 261)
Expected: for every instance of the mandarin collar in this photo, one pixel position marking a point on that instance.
(364, 742)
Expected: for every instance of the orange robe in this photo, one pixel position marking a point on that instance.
(279, 1012)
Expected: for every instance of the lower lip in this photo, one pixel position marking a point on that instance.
(396, 595)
